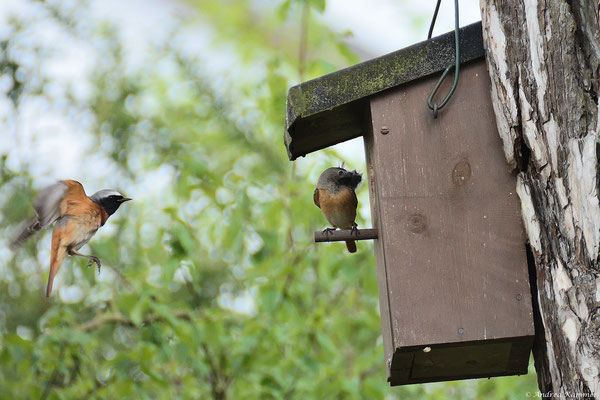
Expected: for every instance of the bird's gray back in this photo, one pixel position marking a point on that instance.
(327, 179)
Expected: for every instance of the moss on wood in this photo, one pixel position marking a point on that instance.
(318, 96)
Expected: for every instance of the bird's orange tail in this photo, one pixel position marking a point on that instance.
(351, 246)
(57, 256)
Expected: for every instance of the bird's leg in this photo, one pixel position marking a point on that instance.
(327, 231)
(354, 229)
(93, 259)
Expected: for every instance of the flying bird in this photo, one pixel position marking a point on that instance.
(76, 219)
(336, 198)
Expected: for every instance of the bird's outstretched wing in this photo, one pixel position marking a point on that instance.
(47, 207)
(47, 204)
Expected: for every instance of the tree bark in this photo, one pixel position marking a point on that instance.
(543, 60)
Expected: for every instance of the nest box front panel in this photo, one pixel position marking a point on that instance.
(451, 255)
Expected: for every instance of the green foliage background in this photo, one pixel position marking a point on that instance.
(212, 288)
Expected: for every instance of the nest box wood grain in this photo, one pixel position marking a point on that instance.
(452, 270)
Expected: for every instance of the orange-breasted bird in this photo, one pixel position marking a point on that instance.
(335, 196)
(77, 217)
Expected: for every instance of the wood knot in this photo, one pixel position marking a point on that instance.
(416, 223)
(461, 173)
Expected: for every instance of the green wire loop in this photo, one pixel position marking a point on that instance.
(435, 107)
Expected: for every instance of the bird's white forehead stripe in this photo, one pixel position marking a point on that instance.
(104, 194)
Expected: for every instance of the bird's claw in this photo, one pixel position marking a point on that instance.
(94, 259)
(354, 229)
(327, 231)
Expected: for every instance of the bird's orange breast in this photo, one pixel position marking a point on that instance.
(338, 208)
(76, 203)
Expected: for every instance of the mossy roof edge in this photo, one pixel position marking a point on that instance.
(373, 76)
(381, 73)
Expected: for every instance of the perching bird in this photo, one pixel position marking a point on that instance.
(77, 218)
(335, 196)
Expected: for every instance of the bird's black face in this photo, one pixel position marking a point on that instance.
(109, 200)
(348, 178)
(112, 203)
(335, 178)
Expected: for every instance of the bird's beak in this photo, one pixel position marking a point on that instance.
(124, 199)
(351, 174)
(354, 177)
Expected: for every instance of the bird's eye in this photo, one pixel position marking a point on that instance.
(341, 173)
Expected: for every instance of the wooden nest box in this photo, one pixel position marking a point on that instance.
(450, 250)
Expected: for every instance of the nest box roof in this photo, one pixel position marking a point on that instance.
(334, 108)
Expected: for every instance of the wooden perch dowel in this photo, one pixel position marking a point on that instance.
(337, 236)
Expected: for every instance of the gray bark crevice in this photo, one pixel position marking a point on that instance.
(543, 59)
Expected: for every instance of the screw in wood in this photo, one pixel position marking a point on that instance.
(461, 331)
(384, 130)
(519, 297)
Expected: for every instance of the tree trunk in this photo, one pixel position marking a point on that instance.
(543, 60)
